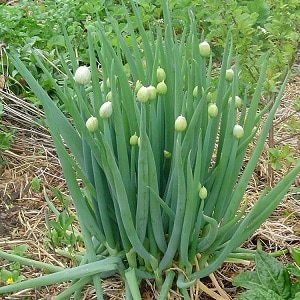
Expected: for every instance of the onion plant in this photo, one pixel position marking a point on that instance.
(152, 144)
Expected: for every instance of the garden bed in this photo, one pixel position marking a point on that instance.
(22, 209)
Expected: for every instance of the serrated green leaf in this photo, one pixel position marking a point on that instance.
(259, 294)
(272, 274)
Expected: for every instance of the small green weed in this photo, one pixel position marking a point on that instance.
(36, 184)
(61, 232)
(12, 273)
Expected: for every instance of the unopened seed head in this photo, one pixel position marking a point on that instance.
(160, 74)
(109, 96)
(102, 86)
(105, 110)
(167, 154)
(82, 75)
(212, 110)
(238, 131)
(180, 123)
(133, 140)
(204, 49)
(203, 193)
(108, 82)
(152, 92)
(161, 88)
(195, 91)
(229, 75)
(92, 124)
(237, 101)
(142, 94)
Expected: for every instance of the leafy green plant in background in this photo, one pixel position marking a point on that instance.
(6, 135)
(151, 160)
(270, 280)
(256, 26)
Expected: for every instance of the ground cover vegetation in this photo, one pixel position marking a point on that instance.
(171, 193)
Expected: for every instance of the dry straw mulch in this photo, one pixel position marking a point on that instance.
(22, 219)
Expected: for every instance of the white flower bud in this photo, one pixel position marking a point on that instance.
(142, 94)
(102, 86)
(167, 154)
(160, 74)
(105, 110)
(133, 140)
(92, 124)
(152, 92)
(237, 101)
(108, 83)
(161, 88)
(109, 96)
(204, 49)
(180, 123)
(212, 110)
(82, 75)
(238, 131)
(195, 91)
(229, 75)
(203, 193)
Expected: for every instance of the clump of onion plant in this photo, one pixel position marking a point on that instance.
(158, 180)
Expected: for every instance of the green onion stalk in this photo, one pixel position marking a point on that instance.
(152, 146)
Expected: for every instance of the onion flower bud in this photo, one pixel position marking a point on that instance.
(238, 131)
(92, 124)
(160, 74)
(102, 86)
(212, 110)
(109, 96)
(203, 193)
(180, 123)
(142, 94)
(105, 110)
(229, 75)
(161, 88)
(167, 154)
(82, 75)
(133, 140)
(237, 101)
(195, 91)
(204, 49)
(108, 82)
(152, 92)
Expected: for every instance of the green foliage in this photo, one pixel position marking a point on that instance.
(36, 184)
(296, 256)
(6, 135)
(158, 175)
(256, 26)
(6, 138)
(12, 273)
(281, 155)
(61, 233)
(270, 280)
